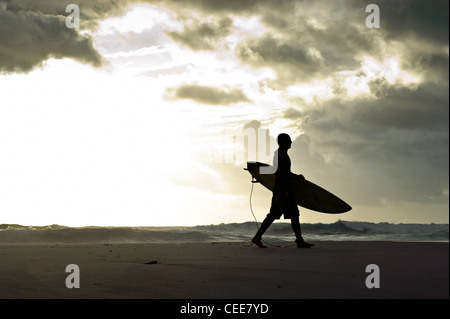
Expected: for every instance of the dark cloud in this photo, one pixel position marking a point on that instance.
(395, 147)
(231, 6)
(28, 38)
(32, 31)
(314, 39)
(426, 20)
(308, 43)
(289, 60)
(199, 35)
(90, 11)
(299, 59)
(422, 28)
(207, 94)
(425, 108)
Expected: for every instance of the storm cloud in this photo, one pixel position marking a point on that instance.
(28, 38)
(203, 35)
(32, 32)
(401, 137)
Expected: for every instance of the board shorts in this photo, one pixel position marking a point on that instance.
(283, 203)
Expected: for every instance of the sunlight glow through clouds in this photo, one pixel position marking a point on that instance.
(118, 142)
(319, 89)
(388, 69)
(98, 145)
(355, 83)
(137, 19)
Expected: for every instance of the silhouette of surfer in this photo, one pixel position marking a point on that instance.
(283, 201)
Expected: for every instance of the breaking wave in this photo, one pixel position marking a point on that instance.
(340, 230)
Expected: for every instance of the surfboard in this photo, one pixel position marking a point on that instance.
(306, 193)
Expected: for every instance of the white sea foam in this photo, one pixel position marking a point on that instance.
(341, 230)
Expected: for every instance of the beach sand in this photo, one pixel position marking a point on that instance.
(225, 270)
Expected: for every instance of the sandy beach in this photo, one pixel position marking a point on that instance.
(225, 270)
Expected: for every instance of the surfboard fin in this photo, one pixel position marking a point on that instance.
(253, 179)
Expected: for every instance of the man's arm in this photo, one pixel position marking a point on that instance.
(299, 176)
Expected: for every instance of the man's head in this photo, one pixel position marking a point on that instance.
(284, 141)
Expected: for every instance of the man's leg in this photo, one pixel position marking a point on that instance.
(295, 222)
(262, 229)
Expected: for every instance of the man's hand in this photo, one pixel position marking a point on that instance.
(301, 177)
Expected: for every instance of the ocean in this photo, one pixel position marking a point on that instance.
(234, 232)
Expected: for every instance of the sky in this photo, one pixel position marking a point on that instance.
(146, 114)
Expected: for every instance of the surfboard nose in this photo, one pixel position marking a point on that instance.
(254, 165)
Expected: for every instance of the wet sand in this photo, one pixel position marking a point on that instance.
(225, 271)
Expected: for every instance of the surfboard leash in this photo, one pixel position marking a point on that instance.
(248, 243)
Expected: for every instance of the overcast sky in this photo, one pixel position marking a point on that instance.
(136, 117)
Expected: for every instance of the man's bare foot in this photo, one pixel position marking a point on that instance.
(304, 244)
(258, 242)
